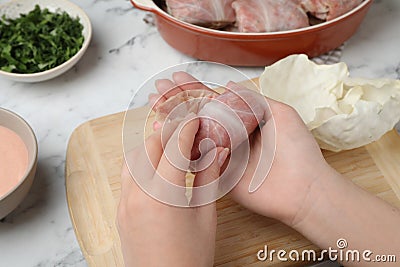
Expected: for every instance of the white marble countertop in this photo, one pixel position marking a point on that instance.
(123, 53)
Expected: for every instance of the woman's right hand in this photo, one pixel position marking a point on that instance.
(304, 192)
(291, 185)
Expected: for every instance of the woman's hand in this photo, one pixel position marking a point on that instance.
(156, 234)
(298, 167)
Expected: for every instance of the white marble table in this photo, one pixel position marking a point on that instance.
(124, 52)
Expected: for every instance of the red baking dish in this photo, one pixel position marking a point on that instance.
(254, 49)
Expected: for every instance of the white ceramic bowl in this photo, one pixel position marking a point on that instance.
(10, 200)
(14, 8)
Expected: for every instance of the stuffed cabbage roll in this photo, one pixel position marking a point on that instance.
(208, 13)
(217, 123)
(329, 9)
(269, 15)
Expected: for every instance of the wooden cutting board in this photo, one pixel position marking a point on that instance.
(93, 164)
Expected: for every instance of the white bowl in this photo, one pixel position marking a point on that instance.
(14, 8)
(11, 199)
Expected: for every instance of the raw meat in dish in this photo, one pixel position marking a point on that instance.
(226, 119)
(209, 13)
(329, 9)
(269, 15)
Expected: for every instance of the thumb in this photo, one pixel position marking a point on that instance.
(212, 172)
(203, 194)
(204, 190)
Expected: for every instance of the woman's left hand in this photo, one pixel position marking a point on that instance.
(156, 234)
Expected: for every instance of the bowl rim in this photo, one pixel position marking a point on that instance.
(33, 162)
(240, 35)
(85, 44)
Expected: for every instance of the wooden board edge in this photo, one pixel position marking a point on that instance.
(68, 173)
(106, 251)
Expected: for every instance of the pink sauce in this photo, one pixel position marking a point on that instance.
(13, 159)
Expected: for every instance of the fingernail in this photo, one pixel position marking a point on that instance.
(156, 82)
(222, 156)
(156, 125)
(177, 73)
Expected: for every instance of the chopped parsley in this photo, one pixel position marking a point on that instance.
(38, 41)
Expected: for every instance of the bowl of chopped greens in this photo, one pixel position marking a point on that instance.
(41, 39)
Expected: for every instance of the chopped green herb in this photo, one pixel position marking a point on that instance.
(38, 41)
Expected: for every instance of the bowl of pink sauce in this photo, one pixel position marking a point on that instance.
(18, 160)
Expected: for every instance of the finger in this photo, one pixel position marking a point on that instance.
(274, 107)
(141, 163)
(152, 149)
(172, 124)
(251, 97)
(201, 193)
(175, 160)
(267, 148)
(187, 82)
(155, 100)
(157, 125)
(213, 171)
(167, 88)
(233, 86)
